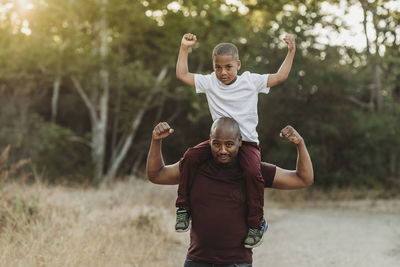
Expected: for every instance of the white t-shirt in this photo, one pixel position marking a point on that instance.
(237, 100)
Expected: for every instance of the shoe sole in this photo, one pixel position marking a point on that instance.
(259, 242)
(184, 230)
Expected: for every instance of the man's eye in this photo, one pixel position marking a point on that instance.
(229, 144)
(216, 144)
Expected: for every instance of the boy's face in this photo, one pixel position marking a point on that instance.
(226, 68)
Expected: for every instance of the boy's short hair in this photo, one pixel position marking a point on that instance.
(226, 49)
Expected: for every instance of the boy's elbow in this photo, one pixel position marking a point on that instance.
(282, 78)
(180, 76)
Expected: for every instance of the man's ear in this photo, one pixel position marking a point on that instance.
(239, 64)
(240, 141)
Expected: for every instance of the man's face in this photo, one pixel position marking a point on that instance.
(225, 145)
(226, 68)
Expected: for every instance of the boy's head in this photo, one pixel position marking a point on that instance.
(226, 62)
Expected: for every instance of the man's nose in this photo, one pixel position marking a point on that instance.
(223, 150)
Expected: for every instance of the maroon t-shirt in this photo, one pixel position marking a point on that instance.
(219, 213)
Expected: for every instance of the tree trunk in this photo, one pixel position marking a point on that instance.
(112, 172)
(54, 98)
(97, 104)
(99, 134)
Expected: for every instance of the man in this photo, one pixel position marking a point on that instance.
(217, 194)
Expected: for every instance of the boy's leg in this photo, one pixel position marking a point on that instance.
(187, 170)
(188, 167)
(250, 161)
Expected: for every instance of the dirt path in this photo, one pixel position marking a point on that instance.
(326, 237)
(323, 237)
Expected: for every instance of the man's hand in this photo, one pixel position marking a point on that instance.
(161, 131)
(188, 40)
(291, 134)
(290, 41)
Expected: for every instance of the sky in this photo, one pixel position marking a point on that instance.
(353, 16)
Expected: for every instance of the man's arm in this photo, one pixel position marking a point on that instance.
(182, 70)
(283, 72)
(156, 170)
(303, 176)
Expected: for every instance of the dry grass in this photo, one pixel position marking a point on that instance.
(125, 224)
(122, 225)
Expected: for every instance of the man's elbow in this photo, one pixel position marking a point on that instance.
(308, 180)
(152, 176)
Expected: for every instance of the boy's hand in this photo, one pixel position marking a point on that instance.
(188, 40)
(291, 134)
(290, 41)
(161, 131)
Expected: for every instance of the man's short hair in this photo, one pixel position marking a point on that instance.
(224, 49)
(226, 123)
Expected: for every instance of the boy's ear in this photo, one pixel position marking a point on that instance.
(239, 64)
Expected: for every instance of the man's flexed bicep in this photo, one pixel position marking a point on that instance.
(182, 69)
(156, 170)
(303, 176)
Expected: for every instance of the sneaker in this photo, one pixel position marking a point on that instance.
(182, 220)
(255, 236)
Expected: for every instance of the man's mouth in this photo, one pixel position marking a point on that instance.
(223, 157)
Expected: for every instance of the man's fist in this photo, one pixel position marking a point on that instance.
(162, 130)
(188, 40)
(291, 134)
(290, 41)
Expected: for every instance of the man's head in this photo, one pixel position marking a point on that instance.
(225, 140)
(226, 62)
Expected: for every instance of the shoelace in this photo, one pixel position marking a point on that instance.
(253, 231)
(181, 216)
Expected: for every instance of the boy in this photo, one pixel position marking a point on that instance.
(235, 96)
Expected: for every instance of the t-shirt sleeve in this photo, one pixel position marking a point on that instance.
(260, 82)
(202, 82)
(268, 172)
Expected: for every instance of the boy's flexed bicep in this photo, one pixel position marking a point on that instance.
(182, 69)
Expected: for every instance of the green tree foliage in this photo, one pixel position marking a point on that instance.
(331, 96)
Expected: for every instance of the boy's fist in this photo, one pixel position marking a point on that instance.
(290, 41)
(188, 40)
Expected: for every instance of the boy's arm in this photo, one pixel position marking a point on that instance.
(156, 170)
(303, 176)
(283, 72)
(182, 70)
